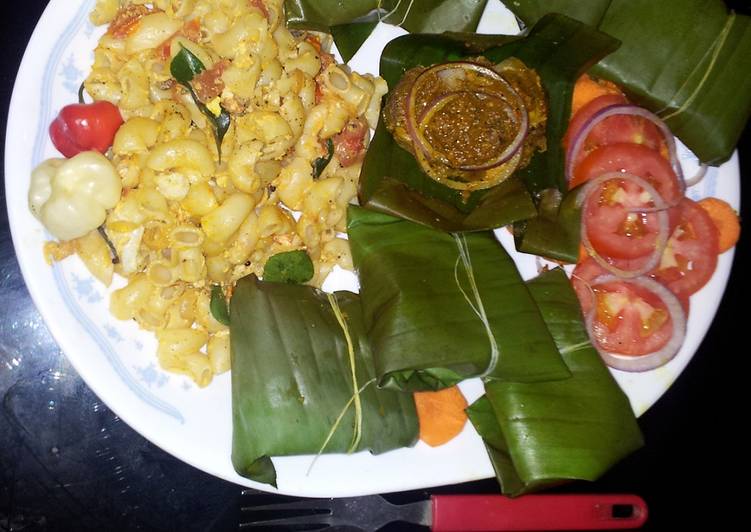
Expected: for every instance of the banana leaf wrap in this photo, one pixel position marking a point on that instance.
(555, 232)
(292, 378)
(559, 49)
(416, 16)
(545, 433)
(439, 308)
(686, 60)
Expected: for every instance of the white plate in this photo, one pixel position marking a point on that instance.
(118, 361)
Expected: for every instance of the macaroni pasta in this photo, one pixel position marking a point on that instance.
(185, 220)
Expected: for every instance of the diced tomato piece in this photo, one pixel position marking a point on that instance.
(209, 84)
(165, 50)
(260, 6)
(326, 60)
(191, 30)
(349, 144)
(690, 257)
(126, 20)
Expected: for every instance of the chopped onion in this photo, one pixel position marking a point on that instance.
(653, 259)
(577, 142)
(656, 358)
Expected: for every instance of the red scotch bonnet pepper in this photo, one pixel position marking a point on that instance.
(84, 127)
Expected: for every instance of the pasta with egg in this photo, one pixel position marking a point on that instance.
(194, 213)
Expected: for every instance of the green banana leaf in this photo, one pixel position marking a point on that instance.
(541, 434)
(350, 37)
(686, 60)
(292, 378)
(559, 49)
(416, 16)
(437, 306)
(556, 231)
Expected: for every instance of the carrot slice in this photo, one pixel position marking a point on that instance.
(441, 415)
(726, 219)
(587, 89)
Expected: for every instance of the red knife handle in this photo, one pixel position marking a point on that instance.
(537, 512)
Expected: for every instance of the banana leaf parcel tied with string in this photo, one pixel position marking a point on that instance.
(351, 22)
(439, 308)
(545, 433)
(686, 60)
(303, 381)
(558, 49)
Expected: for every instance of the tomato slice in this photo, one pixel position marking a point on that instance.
(349, 144)
(613, 227)
(629, 319)
(587, 111)
(635, 159)
(588, 270)
(581, 279)
(616, 129)
(690, 256)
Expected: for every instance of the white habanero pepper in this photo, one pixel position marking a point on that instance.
(71, 196)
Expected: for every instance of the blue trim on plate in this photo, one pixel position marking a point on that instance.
(45, 113)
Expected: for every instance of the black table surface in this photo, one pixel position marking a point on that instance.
(68, 463)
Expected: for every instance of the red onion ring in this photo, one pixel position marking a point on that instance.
(697, 177)
(656, 358)
(411, 114)
(662, 219)
(511, 149)
(623, 109)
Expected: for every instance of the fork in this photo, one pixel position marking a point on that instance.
(456, 512)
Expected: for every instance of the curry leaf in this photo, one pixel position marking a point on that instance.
(221, 125)
(185, 66)
(292, 267)
(218, 305)
(320, 164)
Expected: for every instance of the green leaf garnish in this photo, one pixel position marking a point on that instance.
(218, 305)
(186, 66)
(292, 267)
(320, 164)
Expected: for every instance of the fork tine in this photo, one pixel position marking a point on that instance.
(320, 519)
(305, 504)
